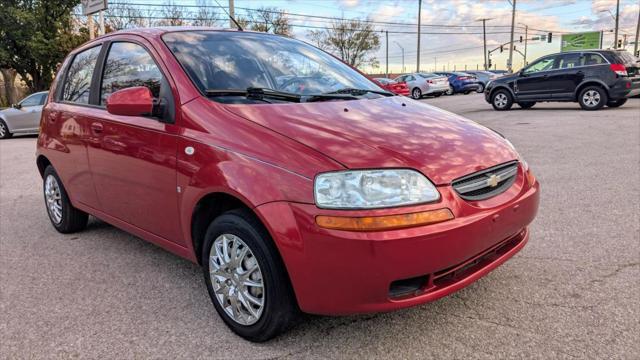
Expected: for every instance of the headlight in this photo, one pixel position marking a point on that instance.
(368, 189)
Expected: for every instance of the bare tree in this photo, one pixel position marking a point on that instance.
(270, 20)
(124, 16)
(172, 15)
(351, 40)
(206, 15)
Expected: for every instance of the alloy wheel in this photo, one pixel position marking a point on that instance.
(500, 100)
(3, 130)
(53, 198)
(591, 98)
(450, 90)
(416, 93)
(236, 278)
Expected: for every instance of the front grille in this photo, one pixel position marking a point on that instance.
(487, 183)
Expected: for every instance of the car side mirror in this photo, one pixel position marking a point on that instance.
(16, 106)
(521, 73)
(133, 101)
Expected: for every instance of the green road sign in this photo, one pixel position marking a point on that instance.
(581, 41)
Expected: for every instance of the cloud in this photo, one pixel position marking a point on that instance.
(350, 3)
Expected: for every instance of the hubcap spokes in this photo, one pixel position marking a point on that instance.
(53, 199)
(591, 98)
(501, 100)
(236, 279)
(2, 130)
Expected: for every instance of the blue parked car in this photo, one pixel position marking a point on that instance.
(460, 82)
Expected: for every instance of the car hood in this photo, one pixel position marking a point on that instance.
(391, 132)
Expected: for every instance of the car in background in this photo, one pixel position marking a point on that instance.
(593, 78)
(460, 82)
(421, 84)
(24, 117)
(484, 77)
(395, 87)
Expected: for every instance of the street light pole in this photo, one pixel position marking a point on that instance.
(419, 23)
(513, 21)
(231, 14)
(484, 37)
(635, 47)
(401, 48)
(615, 44)
(386, 36)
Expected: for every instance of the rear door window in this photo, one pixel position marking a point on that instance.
(77, 85)
(569, 61)
(129, 65)
(592, 59)
(33, 100)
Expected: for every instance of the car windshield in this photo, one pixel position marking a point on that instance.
(224, 60)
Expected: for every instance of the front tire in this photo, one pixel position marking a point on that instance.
(246, 278)
(64, 217)
(416, 93)
(480, 89)
(451, 91)
(501, 100)
(616, 103)
(592, 98)
(4, 130)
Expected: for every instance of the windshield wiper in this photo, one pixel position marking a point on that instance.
(355, 91)
(267, 93)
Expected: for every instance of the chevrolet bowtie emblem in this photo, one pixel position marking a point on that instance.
(493, 180)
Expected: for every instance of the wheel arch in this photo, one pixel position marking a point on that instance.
(42, 162)
(502, 87)
(591, 82)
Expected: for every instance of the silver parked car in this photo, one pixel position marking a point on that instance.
(421, 84)
(23, 117)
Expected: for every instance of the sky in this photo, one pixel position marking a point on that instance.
(455, 39)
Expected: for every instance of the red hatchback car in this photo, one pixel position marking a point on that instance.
(399, 88)
(296, 182)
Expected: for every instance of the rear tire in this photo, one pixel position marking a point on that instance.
(616, 103)
(526, 104)
(592, 98)
(4, 130)
(64, 217)
(416, 93)
(501, 100)
(276, 310)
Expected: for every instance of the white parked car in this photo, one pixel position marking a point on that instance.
(421, 84)
(23, 117)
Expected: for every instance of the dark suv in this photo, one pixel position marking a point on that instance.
(593, 78)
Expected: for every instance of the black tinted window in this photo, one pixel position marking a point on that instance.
(593, 59)
(129, 65)
(78, 80)
(569, 61)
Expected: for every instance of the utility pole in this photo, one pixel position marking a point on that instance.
(635, 47)
(92, 34)
(231, 14)
(513, 21)
(526, 34)
(401, 48)
(419, 23)
(484, 37)
(101, 23)
(615, 43)
(386, 36)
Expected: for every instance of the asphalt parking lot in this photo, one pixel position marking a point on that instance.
(574, 291)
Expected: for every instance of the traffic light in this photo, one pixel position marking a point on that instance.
(619, 44)
(520, 38)
(501, 48)
(489, 64)
(549, 37)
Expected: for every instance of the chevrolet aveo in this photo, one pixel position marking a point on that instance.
(297, 183)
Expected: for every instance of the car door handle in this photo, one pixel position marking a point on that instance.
(96, 127)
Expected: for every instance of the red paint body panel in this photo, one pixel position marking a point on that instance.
(135, 173)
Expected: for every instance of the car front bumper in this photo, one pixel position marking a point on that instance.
(336, 272)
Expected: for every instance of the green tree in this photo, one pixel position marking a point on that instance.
(350, 40)
(35, 35)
